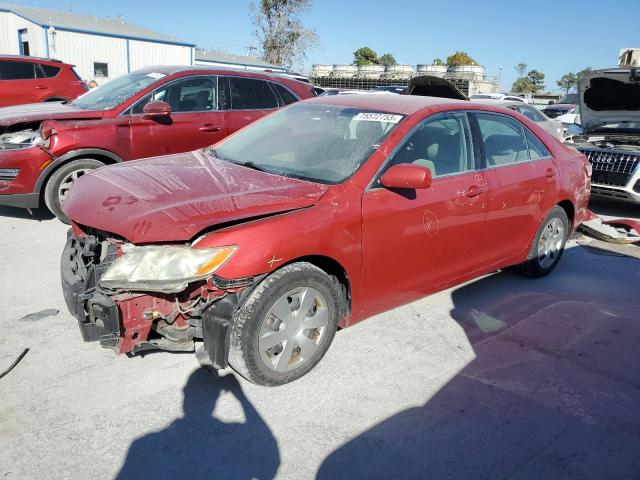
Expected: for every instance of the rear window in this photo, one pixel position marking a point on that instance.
(10, 70)
(286, 95)
(251, 94)
(50, 71)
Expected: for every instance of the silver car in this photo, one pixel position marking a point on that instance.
(554, 127)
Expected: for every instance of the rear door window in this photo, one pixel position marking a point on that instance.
(536, 147)
(251, 94)
(10, 70)
(503, 138)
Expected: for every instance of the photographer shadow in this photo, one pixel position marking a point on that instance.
(199, 445)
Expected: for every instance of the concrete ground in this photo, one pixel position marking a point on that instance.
(504, 377)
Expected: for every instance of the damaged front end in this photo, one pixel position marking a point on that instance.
(148, 311)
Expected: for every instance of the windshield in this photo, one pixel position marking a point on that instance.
(322, 143)
(116, 91)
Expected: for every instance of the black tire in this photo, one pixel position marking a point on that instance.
(51, 190)
(244, 354)
(534, 266)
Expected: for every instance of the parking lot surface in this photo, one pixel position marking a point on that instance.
(503, 377)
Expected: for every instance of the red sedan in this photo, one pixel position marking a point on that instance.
(253, 252)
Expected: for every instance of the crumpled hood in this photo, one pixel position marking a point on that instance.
(172, 198)
(34, 112)
(608, 97)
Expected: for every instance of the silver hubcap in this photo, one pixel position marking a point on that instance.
(68, 181)
(293, 329)
(551, 241)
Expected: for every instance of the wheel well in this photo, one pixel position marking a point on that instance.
(569, 209)
(94, 156)
(336, 271)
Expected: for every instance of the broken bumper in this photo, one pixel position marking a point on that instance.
(132, 322)
(97, 314)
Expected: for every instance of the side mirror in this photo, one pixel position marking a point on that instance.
(406, 176)
(156, 108)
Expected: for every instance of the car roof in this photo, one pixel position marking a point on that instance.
(188, 69)
(399, 104)
(24, 58)
(499, 101)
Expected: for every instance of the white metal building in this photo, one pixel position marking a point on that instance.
(217, 59)
(101, 48)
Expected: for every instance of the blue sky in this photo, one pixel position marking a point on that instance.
(554, 37)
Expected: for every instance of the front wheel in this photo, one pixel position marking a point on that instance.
(286, 325)
(61, 182)
(548, 244)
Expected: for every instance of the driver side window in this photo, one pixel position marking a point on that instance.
(442, 144)
(195, 94)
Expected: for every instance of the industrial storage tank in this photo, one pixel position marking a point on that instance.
(320, 70)
(344, 71)
(431, 69)
(370, 71)
(398, 71)
(471, 72)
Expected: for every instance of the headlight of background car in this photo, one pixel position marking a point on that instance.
(22, 139)
(164, 269)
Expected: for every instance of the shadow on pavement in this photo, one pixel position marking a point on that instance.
(198, 445)
(38, 214)
(553, 392)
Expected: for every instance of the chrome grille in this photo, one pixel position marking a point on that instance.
(8, 174)
(611, 167)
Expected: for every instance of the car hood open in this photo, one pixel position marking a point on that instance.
(608, 97)
(173, 198)
(432, 86)
(34, 112)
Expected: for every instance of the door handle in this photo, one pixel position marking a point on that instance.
(474, 191)
(209, 128)
(40, 87)
(550, 173)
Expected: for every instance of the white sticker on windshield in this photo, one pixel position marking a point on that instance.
(156, 75)
(378, 117)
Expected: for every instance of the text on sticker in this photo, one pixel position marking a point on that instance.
(378, 117)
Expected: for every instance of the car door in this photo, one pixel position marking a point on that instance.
(249, 100)
(195, 120)
(417, 240)
(521, 184)
(18, 83)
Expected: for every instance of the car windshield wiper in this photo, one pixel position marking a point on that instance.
(251, 165)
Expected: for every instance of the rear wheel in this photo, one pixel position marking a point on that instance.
(548, 244)
(62, 180)
(286, 325)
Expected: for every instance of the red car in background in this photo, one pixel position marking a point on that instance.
(154, 111)
(318, 216)
(33, 80)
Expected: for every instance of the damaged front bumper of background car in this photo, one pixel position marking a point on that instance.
(133, 299)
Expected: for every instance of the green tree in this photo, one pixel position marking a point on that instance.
(537, 80)
(438, 61)
(567, 82)
(365, 56)
(387, 59)
(523, 85)
(282, 37)
(582, 72)
(521, 68)
(460, 58)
